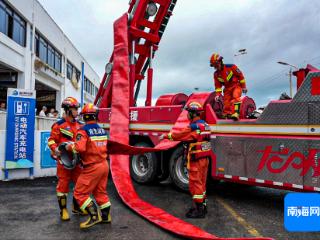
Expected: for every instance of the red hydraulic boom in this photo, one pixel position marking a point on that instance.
(147, 21)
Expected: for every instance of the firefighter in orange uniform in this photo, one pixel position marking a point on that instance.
(199, 151)
(62, 131)
(91, 144)
(229, 76)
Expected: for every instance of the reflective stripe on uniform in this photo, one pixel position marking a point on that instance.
(51, 143)
(196, 143)
(237, 105)
(98, 138)
(74, 149)
(197, 196)
(198, 151)
(66, 132)
(108, 204)
(85, 204)
(242, 81)
(205, 132)
(229, 76)
(221, 80)
(60, 194)
(192, 145)
(218, 89)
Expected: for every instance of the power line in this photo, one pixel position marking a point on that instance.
(284, 71)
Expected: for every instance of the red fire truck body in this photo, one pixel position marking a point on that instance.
(279, 149)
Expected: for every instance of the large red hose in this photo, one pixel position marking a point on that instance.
(119, 132)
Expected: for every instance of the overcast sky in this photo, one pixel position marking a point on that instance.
(270, 30)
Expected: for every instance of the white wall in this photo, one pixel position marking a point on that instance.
(12, 54)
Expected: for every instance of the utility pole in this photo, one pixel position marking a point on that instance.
(290, 81)
(290, 74)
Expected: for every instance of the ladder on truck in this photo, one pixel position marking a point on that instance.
(147, 20)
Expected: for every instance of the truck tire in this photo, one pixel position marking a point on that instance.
(178, 170)
(144, 167)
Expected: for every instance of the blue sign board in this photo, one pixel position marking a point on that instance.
(302, 212)
(20, 129)
(46, 160)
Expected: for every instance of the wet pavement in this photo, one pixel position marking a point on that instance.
(29, 210)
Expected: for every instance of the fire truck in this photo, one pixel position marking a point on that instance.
(278, 149)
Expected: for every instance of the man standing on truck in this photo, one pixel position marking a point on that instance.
(91, 144)
(197, 135)
(229, 76)
(62, 131)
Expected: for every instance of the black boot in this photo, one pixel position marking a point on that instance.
(191, 209)
(76, 208)
(94, 216)
(105, 214)
(64, 215)
(198, 212)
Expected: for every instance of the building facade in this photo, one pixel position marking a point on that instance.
(36, 54)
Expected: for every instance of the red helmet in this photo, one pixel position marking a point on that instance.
(70, 102)
(194, 107)
(215, 58)
(88, 109)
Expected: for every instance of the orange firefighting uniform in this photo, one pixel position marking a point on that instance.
(64, 130)
(233, 81)
(91, 143)
(199, 151)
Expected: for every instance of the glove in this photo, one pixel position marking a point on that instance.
(57, 153)
(69, 146)
(244, 90)
(216, 98)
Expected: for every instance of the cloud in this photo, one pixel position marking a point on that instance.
(271, 31)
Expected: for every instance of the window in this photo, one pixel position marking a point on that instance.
(47, 53)
(85, 84)
(3, 19)
(57, 61)
(31, 40)
(36, 45)
(77, 74)
(69, 70)
(12, 25)
(89, 87)
(19, 30)
(50, 56)
(43, 50)
(72, 71)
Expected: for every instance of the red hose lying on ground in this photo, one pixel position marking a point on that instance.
(119, 132)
